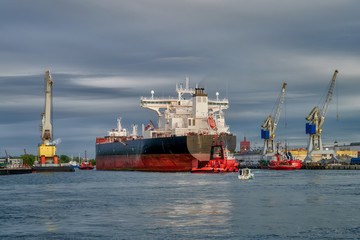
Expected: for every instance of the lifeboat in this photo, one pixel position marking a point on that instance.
(211, 122)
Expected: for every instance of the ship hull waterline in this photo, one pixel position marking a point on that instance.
(172, 154)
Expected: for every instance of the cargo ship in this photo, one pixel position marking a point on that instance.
(181, 141)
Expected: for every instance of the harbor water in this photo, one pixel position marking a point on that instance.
(302, 204)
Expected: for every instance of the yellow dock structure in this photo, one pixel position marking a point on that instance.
(342, 155)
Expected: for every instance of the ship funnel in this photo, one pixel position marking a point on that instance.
(200, 92)
(187, 81)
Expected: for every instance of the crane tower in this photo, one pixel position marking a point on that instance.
(270, 125)
(47, 150)
(316, 119)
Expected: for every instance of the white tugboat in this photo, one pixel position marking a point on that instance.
(245, 174)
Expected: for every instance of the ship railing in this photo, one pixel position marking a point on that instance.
(176, 99)
(159, 98)
(225, 100)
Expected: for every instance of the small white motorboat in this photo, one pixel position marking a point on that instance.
(245, 173)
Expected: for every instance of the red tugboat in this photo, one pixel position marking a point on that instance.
(284, 161)
(86, 164)
(281, 161)
(265, 164)
(280, 164)
(221, 160)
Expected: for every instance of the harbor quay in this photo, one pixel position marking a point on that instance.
(312, 167)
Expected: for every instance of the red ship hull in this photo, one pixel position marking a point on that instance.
(282, 167)
(86, 168)
(285, 165)
(296, 163)
(203, 170)
(280, 164)
(171, 154)
(226, 166)
(153, 162)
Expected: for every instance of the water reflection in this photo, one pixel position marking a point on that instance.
(206, 211)
(49, 201)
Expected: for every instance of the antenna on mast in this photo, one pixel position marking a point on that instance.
(152, 94)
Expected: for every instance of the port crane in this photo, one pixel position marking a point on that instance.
(270, 125)
(316, 120)
(47, 150)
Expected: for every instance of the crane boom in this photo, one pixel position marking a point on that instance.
(278, 110)
(46, 126)
(153, 124)
(328, 98)
(270, 125)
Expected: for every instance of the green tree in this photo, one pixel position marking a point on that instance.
(28, 159)
(93, 162)
(64, 159)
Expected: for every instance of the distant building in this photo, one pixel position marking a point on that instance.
(343, 153)
(11, 162)
(244, 146)
(2, 161)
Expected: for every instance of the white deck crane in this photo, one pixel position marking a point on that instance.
(317, 119)
(46, 151)
(270, 125)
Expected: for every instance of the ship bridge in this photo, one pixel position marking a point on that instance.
(156, 104)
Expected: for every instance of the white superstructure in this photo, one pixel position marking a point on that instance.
(180, 116)
(119, 131)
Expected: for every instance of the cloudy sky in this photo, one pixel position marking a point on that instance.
(104, 55)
